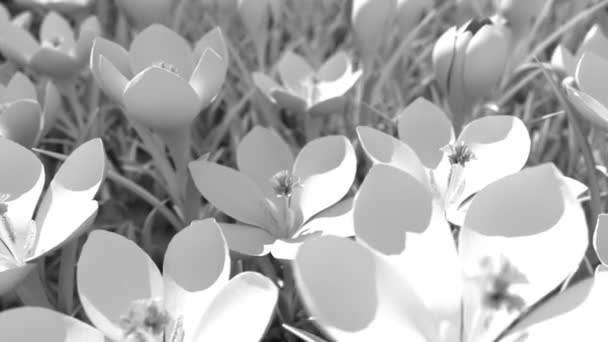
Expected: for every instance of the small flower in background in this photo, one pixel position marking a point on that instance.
(589, 97)
(143, 13)
(279, 202)
(23, 19)
(24, 116)
(595, 41)
(256, 15)
(305, 90)
(161, 82)
(469, 62)
(410, 13)
(370, 21)
(58, 54)
(407, 275)
(520, 14)
(63, 6)
(453, 169)
(66, 209)
(126, 297)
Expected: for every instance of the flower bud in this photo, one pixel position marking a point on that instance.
(470, 61)
(520, 13)
(370, 21)
(410, 12)
(143, 13)
(255, 15)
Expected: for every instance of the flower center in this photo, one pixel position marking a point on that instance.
(167, 66)
(147, 320)
(460, 154)
(284, 183)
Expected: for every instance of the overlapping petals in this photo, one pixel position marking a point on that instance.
(23, 19)
(66, 209)
(305, 90)
(194, 291)
(58, 53)
(595, 41)
(63, 6)
(161, 82)
(24, 116)
(277, 198)
(358, 291)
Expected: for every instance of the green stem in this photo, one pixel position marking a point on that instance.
(66, 277)
(180, 10)
(178, 142)
(77, 110)
(32, 291)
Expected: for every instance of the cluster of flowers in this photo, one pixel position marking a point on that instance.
(446, 239)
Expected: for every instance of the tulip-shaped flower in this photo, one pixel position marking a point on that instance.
(469, 62)
(161, 83)
(305, 90)
(23, 116)
(126, 297)
(370, 20)
(58, 54)
(255, 15)
(66, 208)
(279, 202)
(595, 41)
(452, 169)
(590, 99)
(143, 13)
(63, 6)
(523, 235)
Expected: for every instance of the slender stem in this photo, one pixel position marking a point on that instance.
(180, 10)
(77, 108)
(32, 291)
(178, 143)
(66, 277)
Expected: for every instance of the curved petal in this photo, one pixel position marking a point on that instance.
(88, 31)
(248, 240)
(337, 88)
(230, 192)
(21, 122)
(160, 99)
(588, 107)
(213, 40)
(113, 272)
(249, 298)
(335, 67)
(141, 14)
(12, 277)
(595, 41)
(285, 250)
(563, 59)
(23, 20)
(500, 145)
(600, 238)
(382, 148)
(56, 64)
(158, 44)
(208, 76)
(265, 84)
(111, 80)
(68, 205)
(114, 53)
(23, 182)
(295, 73)
(19, 88)
(196, 267)
(390, 203)
(336, 220)
(425, 128)
(50, 326)
(332, 105)
(18, 44)
(291, 102)
(512, 217)
(591, 72)
(355, 296)
(261, 154)
(327, 168)
(56, 32)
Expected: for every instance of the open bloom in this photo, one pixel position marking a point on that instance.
(306, 90)
(126, 297)
(143, 13)
(595, 41)
(469, 61)
(160, 82)
(279, 202)
(452, 169)
(522, 236)
(66, 208)
(64, 6)
(23, 116)
(58, 54)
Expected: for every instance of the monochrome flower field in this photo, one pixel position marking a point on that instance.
(303, 170)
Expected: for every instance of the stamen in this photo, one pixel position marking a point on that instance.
(284, 183)
(459, 154)
(7, 232)
(167, 66)
(145, 321)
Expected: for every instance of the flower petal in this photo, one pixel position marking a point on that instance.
(158, 44)
(230, 192)
(12, 277)
(88, 31)
(19, 88)
(563, 59)
(265, 84)
(588, 107)
(512, 217)
(21, 122)
(600, 238)
(327, 168)
(389, 204)
(17, 44)
(591, 72)
(248, 240)
(426, 129)
(355, 296)
(114, 53)
(113, 272)
(595, 41)
(338, 88)
(500, 145)
(214, 40)
(161, 99)
(382, 148)
(295, 73)
(142, 14)
(249, 298)
(50, 326)
(336, 220)
(208, 76)
(23, 181)
(285, 250)
(55, 63)
(56, 32)
(111, 80)
(68, 205)
(261, 154)
(335, 67)
(291, 102)
(196, 267)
